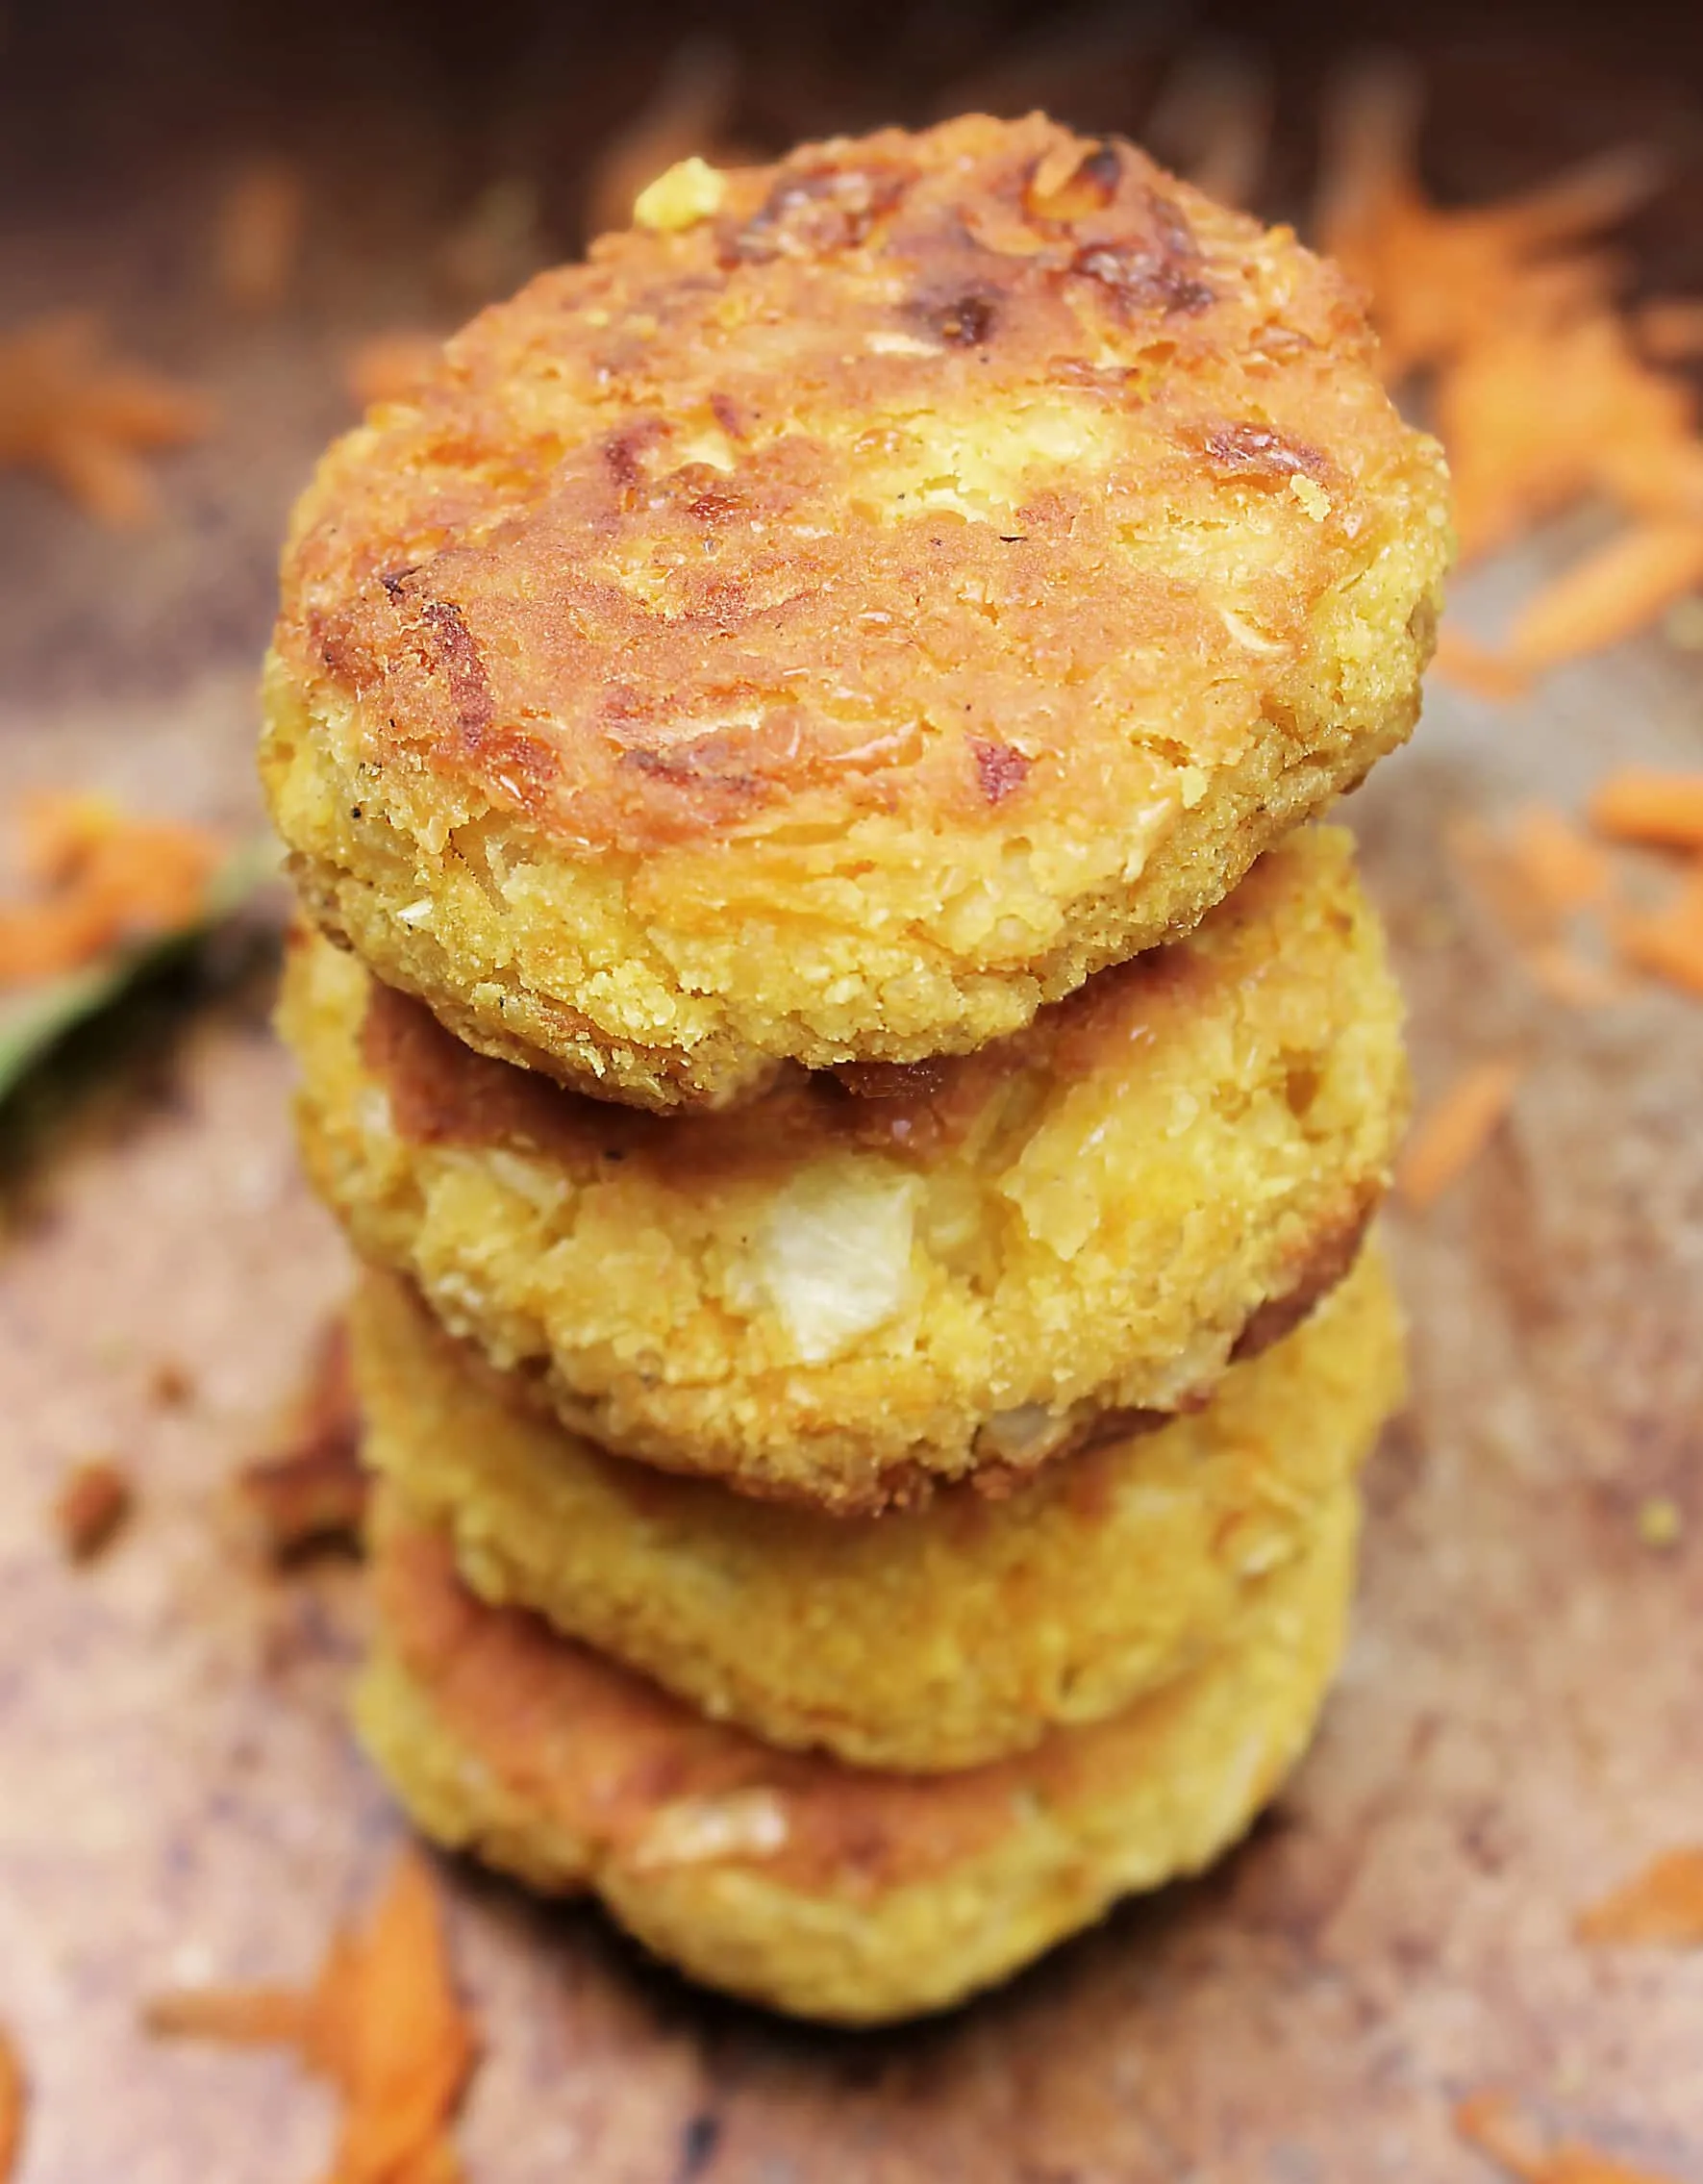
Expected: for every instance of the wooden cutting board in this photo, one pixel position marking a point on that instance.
(1519, 1726)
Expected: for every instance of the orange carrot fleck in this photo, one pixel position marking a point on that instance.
(1663, 810)
(1667, 942)
(1492, 2124)
(1572, 980)
(1609, 595)
(1660, 1907)
(13, 2102)
(380, 2021)
(259, 239)
(1455, 1130)
(1462, 659)
(391, 366)
(1562, 869)
(71, 412)
(91, 1506)
(101, 879)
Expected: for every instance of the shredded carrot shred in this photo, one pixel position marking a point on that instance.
(101, 879)
(1492, 2124)
(1439, 281)
(1668, 943)
(1663, 810)
(14, 2103)
(1561, 867)
(1572, 980)
(1456, 1131)
(392, 366)
(73, 412)
(1608, 596)
(1462, 659)
(1539, 413)
(1662, 1906)
(382, 2022)
(1211, 120)
(258, 240)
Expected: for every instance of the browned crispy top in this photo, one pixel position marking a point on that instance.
(922, 474)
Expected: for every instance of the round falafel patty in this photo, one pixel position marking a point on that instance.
(928, 1641)
(872, 595)
(819, 1889)
(848, 1292)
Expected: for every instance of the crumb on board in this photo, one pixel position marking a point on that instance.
(1661, 1524)
(75, 413)
(14, 2104)
(258, 240)
(312, 1490)
(1451, 1135)
(392, 365)
(98, 879)
(382, 2022)
(1494, 2125)
(1661, 1907)
(171, 1384)
(90, 1508)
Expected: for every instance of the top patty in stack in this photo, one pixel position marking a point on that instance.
(871, 595)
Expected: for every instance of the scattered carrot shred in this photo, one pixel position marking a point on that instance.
(90, 1507)
(1439, 281)
(1661, 1907)
(77, 416)
(1667, 942)
(1662, 810)
(101, 879)
(1572, 980)
(1561, 867)
(382, 2022)
(1494, 2125)
(258, 244)
(313, 1488)
(1212, 122)
(14, 2104)
(391, 366)
(1462, 659)
(1608, 595)
(1493, 2122)
(1455, 1130)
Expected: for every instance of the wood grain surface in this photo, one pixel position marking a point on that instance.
(1520, 1721)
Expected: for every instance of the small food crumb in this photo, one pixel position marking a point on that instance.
(686, 194)
(1455, 1131)
(1662, 1907)
(1660, 1523)
(170, 1385)
(380, 2021)
(13, 2101)
(312, 1490)
(90, 1507)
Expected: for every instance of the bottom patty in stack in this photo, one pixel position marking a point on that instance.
(1209, 1562)
(831, 1892)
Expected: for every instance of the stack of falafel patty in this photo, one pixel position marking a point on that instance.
(858, 1088)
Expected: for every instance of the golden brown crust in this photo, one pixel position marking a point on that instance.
(846, 1295)
(938, 495)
